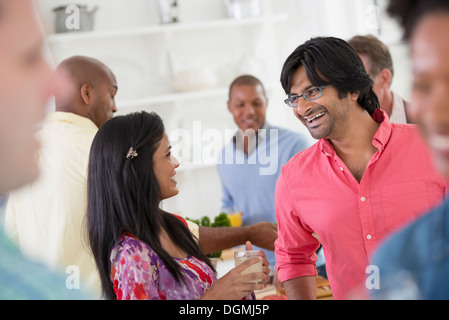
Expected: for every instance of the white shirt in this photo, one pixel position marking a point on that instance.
(46, 218)
(398, 113)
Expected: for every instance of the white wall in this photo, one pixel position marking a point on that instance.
(144, 66)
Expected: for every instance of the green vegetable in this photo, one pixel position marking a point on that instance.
(221, 220)
(215, 255)
(205, 221)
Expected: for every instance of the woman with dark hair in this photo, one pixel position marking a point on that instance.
(141, 251)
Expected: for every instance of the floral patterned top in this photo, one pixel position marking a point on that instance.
(138, 273)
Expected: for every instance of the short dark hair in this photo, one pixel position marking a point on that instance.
(377, 52)
(246, 80)
(332, 61)
(409, 12)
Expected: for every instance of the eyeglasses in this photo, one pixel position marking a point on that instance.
(309, 95)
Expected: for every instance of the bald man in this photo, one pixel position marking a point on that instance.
(46, 217)
(95, 87)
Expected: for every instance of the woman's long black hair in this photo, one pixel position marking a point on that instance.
(124, 195)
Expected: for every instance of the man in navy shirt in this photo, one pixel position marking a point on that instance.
(250, 164)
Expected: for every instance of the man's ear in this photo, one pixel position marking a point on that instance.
(354, 95)
(86, 93)
(229, 106)
(384, 78)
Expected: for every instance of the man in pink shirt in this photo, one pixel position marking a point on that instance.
(363, 179)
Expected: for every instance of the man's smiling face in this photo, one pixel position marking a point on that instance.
(248, 105)
(430, 93)
(323, 117)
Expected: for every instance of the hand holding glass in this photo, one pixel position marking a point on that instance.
(242, 256)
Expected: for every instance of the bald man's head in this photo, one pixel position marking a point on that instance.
(94, 89)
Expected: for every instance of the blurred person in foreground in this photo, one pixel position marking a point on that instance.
(378, 63)
(418, 254)
(26, 83)
(45, 218)
(363, 179)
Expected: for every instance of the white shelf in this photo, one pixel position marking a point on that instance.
(178, 97)
(175, 27)
(171, 98)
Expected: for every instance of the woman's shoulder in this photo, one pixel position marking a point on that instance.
(130, 249)
(134, 269)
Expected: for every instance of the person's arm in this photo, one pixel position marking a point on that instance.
(295, 247)
(262, 234)
(301, 288)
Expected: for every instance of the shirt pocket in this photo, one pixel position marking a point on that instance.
(404, 202)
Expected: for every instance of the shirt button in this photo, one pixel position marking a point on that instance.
(368, 237)
(362, 199)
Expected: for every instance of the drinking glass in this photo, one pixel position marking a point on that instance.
(242, 256)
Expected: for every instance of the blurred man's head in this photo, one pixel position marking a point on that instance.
(426, 24)
(248, 102)
(26, 83)
(94, 89)
(378, 63)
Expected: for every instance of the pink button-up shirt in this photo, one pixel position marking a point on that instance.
(316, 193)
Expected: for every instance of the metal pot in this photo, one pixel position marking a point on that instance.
(74, 18)
(240, 9)
(168, 11)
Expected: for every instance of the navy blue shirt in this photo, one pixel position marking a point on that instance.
(420, 250)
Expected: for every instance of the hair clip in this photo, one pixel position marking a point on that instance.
(131, 153)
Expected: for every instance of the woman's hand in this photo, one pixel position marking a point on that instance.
(234, 286)
(265, 263)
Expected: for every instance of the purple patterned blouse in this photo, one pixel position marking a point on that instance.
(138, 273)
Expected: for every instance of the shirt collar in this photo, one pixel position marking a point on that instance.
(380, 139)
(70, 118)
(383, 133)
(261, 136)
